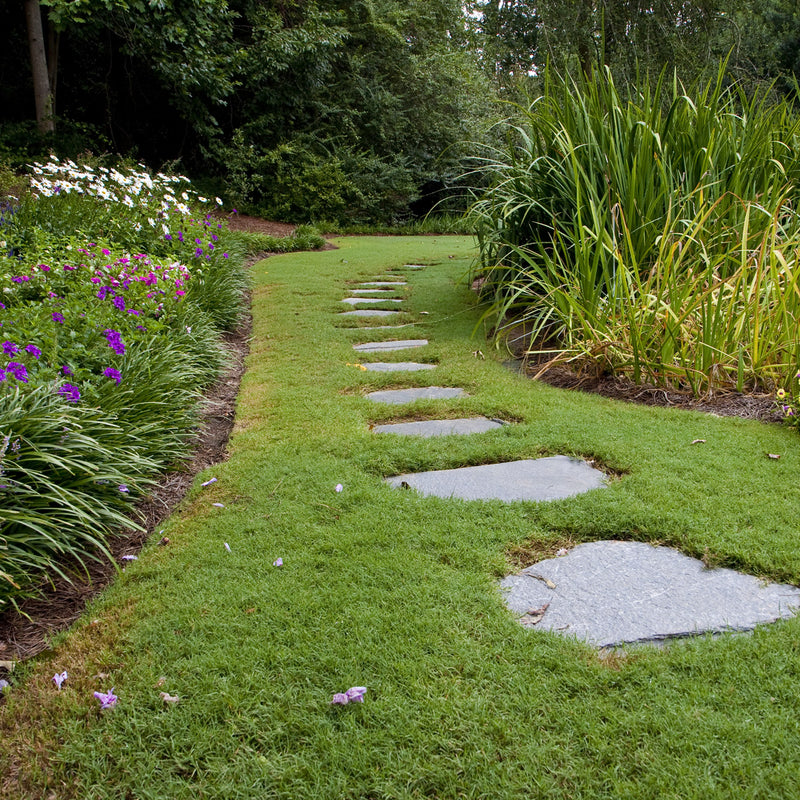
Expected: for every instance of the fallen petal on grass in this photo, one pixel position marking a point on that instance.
(218, 505)
(107, 699)
(278, 562)
(339, 487)
(169, 698)
(227, 547)
(59, 678)
(209, 482)
(355, 694)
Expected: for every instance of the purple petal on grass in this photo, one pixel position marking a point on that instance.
(4, 685)
(59, 678)
(340, 699)
(123, 488)
(278, 562)
(107, 700)
(218, 505)
(356, 694)
(339, 487)
(129, 558)
(209, 482)
(227, 547)
(169, 698)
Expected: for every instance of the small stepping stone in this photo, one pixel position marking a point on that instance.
(398, 344)
(615, 593)
(414, 266)
(354, 301)
(368, 312)
(384, 283)
(398, 396)
(373, 292)
(440, 427)
(550, 478)
(397, 366)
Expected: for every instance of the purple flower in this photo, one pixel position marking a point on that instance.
(114, 374)
(225, 255)
(198, 252)
(34, 351)
(115, 342)
(2, 375)
(70, 392)
(101, 295)
(353, 695)
(9, 348)
(58, 317)
(66, 370)
(123, 488)
(59, 678)
(18, 371)
(107, 700)
(119, 302)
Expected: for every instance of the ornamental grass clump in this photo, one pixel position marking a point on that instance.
(113, 296)
(653, 236)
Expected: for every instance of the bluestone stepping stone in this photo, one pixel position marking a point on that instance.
(397, 344)
(397, 366)
(414, 266)
(376, 293)
(397, 396)
(550, 478)
(368, 312)
(440, 427)
(383, 283)
(354, 301)
(614, 593)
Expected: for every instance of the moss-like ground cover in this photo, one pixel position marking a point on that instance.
(384, 589)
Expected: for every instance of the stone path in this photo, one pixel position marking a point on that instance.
(606, 593)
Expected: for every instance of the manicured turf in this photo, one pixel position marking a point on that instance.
(384, 589)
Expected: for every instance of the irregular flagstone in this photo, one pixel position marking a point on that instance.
(376, 293)
(384, 283)
(397, 344)
(368, 312)
(354, 301)
(440, 427)
(550, 478)
(614, 593)
(397, 396)
(397, 366)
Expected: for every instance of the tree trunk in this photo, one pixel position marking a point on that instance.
(42, 90)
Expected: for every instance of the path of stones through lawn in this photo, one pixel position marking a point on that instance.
(606, 593)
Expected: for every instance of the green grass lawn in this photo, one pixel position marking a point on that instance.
(385, 589)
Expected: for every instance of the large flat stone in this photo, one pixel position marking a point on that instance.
(615, 593)
(397, 396)
(440, 427)
(368, 312)
(376, 293)
(397, 344)
(354, 301)
(550, 478)
(397, 366)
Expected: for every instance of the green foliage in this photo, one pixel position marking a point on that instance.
(655, 236)
(305, 237)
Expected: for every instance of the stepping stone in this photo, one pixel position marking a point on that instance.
(354, 301)
(440, 427)
(367, 312)
(384, 283)
(398, 344)
(414, 266)
(397, 366)
(397, 396)
(550, 478)
(615, 593)
(376, 293)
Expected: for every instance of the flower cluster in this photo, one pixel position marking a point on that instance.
(789, 402)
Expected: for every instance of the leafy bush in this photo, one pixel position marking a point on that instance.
(654, 236)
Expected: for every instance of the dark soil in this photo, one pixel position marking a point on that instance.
(241, 222)
(722, 403)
